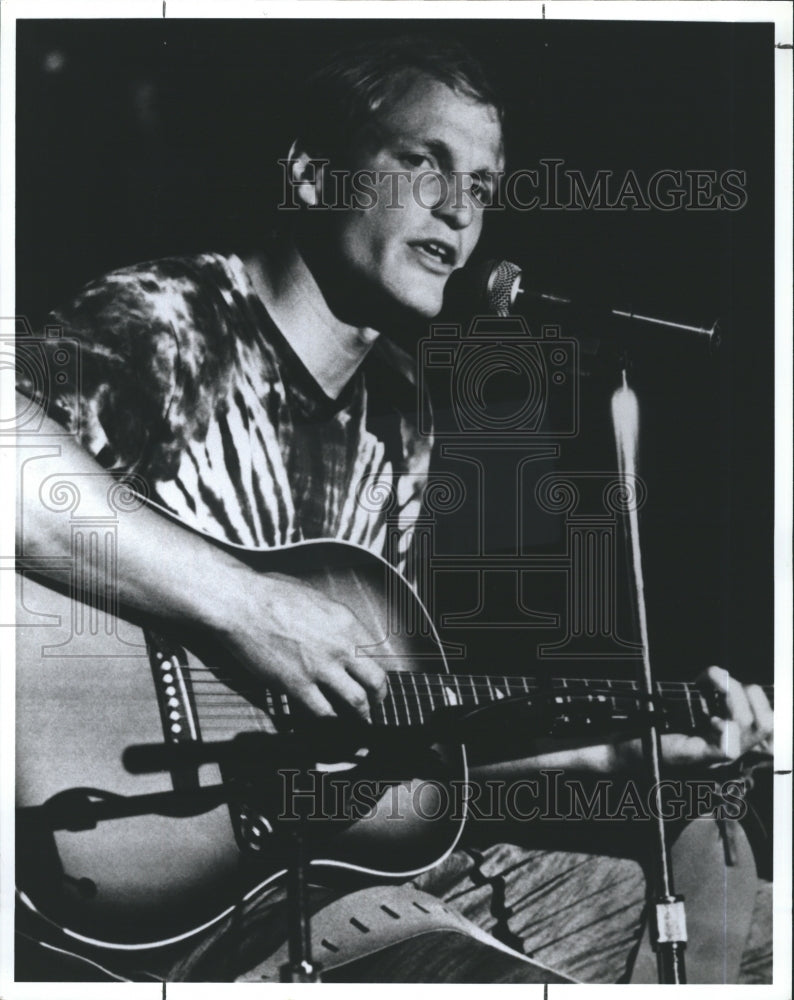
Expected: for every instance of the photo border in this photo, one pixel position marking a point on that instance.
(778, 13)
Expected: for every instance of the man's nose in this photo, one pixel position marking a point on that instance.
(454, 203)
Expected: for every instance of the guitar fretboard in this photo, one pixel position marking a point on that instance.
(413, 699)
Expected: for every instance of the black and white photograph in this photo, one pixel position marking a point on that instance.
(398, 458)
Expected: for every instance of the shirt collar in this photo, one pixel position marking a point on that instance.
(330, 350)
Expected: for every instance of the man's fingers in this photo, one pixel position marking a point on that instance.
(729, 738)
(748, 719)
(737, 707)
(339, 683)
(762, 712)
(735, 739)
(679, 750)
(739, 710)
(742, 721)
(371, 675)
(312, 698)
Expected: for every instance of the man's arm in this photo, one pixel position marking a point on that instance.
(278, 628)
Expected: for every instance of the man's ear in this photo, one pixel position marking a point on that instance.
(306, 175)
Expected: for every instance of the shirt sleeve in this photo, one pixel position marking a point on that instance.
(116, 390)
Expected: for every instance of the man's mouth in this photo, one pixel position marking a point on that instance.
(438, 252)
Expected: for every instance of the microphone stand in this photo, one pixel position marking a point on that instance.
(668, 931)
(502, 286)
(299, 967)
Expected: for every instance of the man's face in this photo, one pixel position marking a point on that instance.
(421, 227)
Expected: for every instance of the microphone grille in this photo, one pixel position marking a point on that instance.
(504, 283)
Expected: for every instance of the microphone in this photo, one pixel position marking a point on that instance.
(499, 286)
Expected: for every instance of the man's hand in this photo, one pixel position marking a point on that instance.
(747, 724)
(297, 640)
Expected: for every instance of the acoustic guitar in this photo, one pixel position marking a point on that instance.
(154, 776)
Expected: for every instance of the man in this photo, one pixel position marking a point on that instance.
(254, 397)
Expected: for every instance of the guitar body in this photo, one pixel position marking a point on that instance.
(88, 689)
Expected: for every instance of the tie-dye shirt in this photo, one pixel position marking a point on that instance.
(185, 381)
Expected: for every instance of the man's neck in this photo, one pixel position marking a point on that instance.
(330, 349)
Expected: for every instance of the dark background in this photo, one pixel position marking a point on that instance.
(137, 139)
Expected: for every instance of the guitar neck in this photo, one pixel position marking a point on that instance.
(413, 698)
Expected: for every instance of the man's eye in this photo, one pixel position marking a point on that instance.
(481, 189)
(415, 160)
(482, 192)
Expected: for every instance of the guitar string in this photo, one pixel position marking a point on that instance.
(427, 690)
(236, 705)
(484, 680)
(441, 694)
(423, 685)
(580, 686)
(252, 713)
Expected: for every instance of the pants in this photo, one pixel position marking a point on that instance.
(581, 914)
